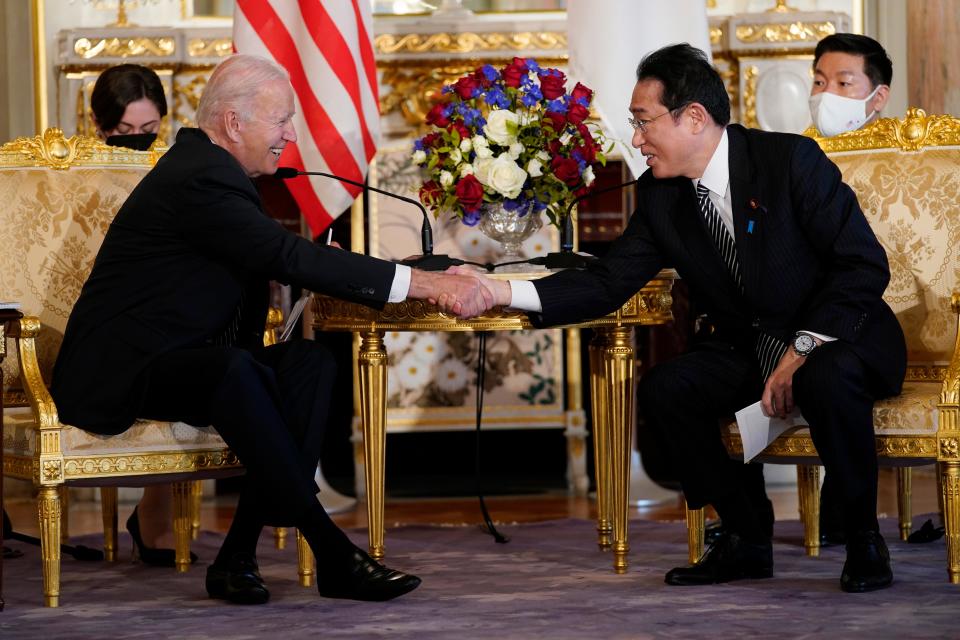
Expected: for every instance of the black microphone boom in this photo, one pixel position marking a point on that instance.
(425, 262)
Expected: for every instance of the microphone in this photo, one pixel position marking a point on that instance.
(566, 258)
(425, 262)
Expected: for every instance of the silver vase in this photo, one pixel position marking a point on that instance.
(509, 228)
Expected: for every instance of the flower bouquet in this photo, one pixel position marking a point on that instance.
(511, 137)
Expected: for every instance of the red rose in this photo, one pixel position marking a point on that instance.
(551, 86)
(587, 152)
(566, 170)
(429, 139)
(465, 87)
(431, 194)
(577, 113)
(556, 120)
(460, 128)
(514, 72)
(582, 191)
(553, 147)
(581, 91)
(435, 116)
(470, 192)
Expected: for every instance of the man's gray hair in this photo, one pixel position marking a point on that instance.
(235, 84)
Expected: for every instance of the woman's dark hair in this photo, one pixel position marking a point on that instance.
(876, 63)
(119, 86)
(686, 76)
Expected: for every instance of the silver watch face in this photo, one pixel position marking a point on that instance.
(803, 344)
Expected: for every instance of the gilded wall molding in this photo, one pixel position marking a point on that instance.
(916, 131)
(389, 44)
(949, 449)
(784, 32)
(926, 373)
(209, 47)
(750, 75)
(142, 47)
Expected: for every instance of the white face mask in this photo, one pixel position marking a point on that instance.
(833, 114)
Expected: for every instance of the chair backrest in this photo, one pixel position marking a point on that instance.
(57, 198)
(906, 174)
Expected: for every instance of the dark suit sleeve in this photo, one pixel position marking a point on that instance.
(856, 271)
(574, 296)
(226, 222)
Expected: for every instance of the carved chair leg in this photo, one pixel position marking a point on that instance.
(304, 561)
(182, 524)
(64, 514)
(108, 511)
(48, 506)
(939, 472)
(196, 499)
(808, 490)
(695, 533)
(904, 500)
(949, 472)
(280, 537)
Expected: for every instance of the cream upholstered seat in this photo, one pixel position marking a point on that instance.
(906, 174)
(58, 197)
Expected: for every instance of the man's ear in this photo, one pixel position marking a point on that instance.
(232, 124)
(879, 101)
(698, 116)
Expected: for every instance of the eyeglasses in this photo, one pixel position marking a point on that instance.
(643, 124)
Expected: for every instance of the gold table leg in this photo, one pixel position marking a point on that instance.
(372, 365)
(808, 488)
(904, 501)
(196, 501)
(618, 369)
(182, 524)
(696, 530)
(304, 561)
(108, 511)
(601, 442)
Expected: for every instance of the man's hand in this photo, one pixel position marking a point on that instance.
(777, 399)
(458, 291)
(498, 288)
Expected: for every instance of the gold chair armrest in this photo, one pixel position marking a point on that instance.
(950, 393)
(271, 333)
(44, 410)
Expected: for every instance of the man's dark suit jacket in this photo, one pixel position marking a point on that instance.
(811, 261)
(169, 276)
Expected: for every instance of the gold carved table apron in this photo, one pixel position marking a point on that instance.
(612, 365)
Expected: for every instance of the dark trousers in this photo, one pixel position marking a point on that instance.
(270, 406)
(683, 400)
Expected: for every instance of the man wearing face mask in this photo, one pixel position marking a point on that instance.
(851, 83)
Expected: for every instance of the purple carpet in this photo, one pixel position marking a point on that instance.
(550, 581)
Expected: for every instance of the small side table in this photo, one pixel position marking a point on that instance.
(6, 316)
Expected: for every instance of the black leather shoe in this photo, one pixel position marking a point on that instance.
(149, 555)
(365, 579)
(713, 532)
(730, 558)
(238, 581)
(868, 563)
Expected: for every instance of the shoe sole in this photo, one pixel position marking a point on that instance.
(405, 589)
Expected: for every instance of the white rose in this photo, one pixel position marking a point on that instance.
(419, 157)
(543, 156)
(446, 179)
(482, 151)
(501, 127)
(588, 176)
(456, 156)
(515, 150)
(481, 169)
(479, 142)
(535, 168)
(466, 169)
(504, 176)
(565, 139)
(466, 145)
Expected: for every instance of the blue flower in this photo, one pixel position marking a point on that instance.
(532, 98)
(418, 145)
(490, 72)
(497, 98)
(537, 205)
(532, 65)
(559, 105)
(471, 218)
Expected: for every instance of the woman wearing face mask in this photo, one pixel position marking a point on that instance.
(128, 104)
(851, 82)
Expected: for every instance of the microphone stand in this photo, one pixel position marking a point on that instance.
(426, 262)
(566, 258)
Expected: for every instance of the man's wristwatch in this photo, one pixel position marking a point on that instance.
(804, 344)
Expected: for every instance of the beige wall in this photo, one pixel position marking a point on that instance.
(933, 39)
(16, 65)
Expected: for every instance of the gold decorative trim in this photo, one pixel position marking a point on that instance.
(716, 35)
(915, 131)
(206, 48)
(77, 468)
(750, 75)
(784, 32)
(926, 373)
(52, 149)
(949, 449)
(158, 47)
(389, 43)
(799, 445)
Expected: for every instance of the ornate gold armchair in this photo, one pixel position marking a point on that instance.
(906, 174)
(58, 197)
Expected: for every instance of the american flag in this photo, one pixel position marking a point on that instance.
(326, 47)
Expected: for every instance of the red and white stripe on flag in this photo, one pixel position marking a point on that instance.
(326, 47)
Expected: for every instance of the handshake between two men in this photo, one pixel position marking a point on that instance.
(460, 291)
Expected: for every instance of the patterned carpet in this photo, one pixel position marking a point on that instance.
(549, 581)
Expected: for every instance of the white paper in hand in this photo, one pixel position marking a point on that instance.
(294, 316)
(757, 431)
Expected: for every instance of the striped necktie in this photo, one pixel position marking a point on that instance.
(769, 349)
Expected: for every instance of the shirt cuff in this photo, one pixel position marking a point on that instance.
(818, 336)
(524, 296)
(401, 284)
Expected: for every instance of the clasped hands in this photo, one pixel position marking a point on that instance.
(463, 292)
